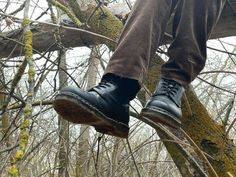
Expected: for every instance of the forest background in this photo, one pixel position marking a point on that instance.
(46, 45)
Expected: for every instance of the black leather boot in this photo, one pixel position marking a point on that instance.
(165, 104)
(106, 106)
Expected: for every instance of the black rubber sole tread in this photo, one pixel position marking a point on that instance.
(161, 116)
(77, 110)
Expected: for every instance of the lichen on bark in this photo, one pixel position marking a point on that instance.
(205, 132)
(28, 50)
(209, 135)
(104, 23)
(13, 170)
(67, 11)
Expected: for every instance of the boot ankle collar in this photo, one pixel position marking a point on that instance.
(111, 91)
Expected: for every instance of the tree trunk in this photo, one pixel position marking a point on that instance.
(63, 125)
(4, 124)
(82, 167)
(204, 131)
(4, 120)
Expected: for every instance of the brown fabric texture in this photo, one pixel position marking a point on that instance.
(193, 23)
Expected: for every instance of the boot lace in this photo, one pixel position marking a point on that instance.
(168, 88)
(107, 91)
(100, 86)
(103, 84)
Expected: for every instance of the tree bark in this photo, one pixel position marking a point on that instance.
(82, 166)
(4, 118)
(63, 125)
(205, 132)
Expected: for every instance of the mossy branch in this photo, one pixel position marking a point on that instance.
(14, 83)
(76, 8)
(104, 23)
(67, 11)
(203, 130)
(57, 30)
(13, 170)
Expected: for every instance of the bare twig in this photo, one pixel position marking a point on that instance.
(135, 164)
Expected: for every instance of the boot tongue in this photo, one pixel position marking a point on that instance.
(171, 89)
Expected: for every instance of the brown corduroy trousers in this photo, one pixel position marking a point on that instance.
(193, 23)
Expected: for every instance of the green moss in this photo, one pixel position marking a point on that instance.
(28, 49)
(27, 110)
(13, 171)
(25, 124)
(26, 22)
(67, 11)
(30, 94)
(31, 73)
(105, 24)
(23, 139)
(19, 154)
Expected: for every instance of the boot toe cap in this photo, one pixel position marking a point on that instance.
(165, 104)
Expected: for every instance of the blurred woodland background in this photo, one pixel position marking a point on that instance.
(48, 44)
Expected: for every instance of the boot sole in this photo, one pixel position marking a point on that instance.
(161, 116)
(77, 110)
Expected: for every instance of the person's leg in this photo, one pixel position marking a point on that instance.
(106, 106)
(193, 23)
(140, 39)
